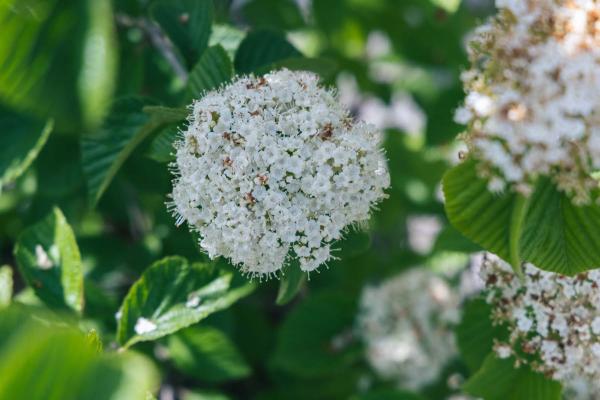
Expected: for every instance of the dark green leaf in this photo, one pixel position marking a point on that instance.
(388, 394)
(171, 295)
(207, 354)
(314, 339)
(354, 243)
(161, 148)
(129, 123)
(323, 67)
(276, 14)
(475, 334)
(213, 69)
(20, 143)
(262, 48)
(50, 262)
(187, 23)
(498, 379)
(292, 280)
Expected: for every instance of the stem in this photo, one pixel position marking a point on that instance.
(516, 230)
(159, 41)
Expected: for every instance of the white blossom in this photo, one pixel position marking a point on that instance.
(273, 168)
(553, 320)
(533, 95)
(406, 325)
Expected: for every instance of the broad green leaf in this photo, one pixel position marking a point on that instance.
(207, 354)
(475, 334)
(187, 23)
(291, 282)
(498, 379)
(276, 14)
(547, 229)
(262, 48)
(213, 69)
(21, 140)
(129, 123)
(388, 394)
(227, 36)
(161, 148)
(354, 243)
(45, 361)
(171, 295)
(6, 286)
(50, 262)
(314, 338)
(324, 67)
(58, 59)
(203, 395)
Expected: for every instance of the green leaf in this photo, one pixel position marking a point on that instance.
(203, 395)
(172, 294)
(43, 361)
(20, 143)
(314, 338)
(187, 23)
(6, 286)
(129, 123)
(324, 67)
(355, 243)
(227, 36)
(161, 148)
(498, 379)
(475, 334)
(292, 280)
(262, 48)
(207, 354)
(276, 14)
(388, 394)
(50, 262)
(58, 59)
(547, 229)
(213, 69)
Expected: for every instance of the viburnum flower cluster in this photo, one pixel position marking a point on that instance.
(533, 95)
(273, 168)
(407, 324)
(553, 320)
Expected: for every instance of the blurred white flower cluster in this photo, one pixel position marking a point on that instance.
(273, 168)
(533, 95)
(554, 320)
(407, 324)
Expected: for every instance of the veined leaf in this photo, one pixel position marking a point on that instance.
(323, 67)
(161, 149)
(129, 123)
(262, 48)
(213, 69)
(187, 23)
(20, 142)
(292, 280)
(547, 229)
(50, 262)
(207, 354)
(498, 379)
(172, 294)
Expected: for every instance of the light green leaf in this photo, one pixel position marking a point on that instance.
(20, 143)
(129, 123)
(292, 281)
(546, 229)
(227, 36)
(187, 23)
(171, 295)
(49, 260)
(57, 59)
(207, 354)
(213, 69)
(498, 379)
(475, 334)
(203, 395)
(6, 286)
(314, 339)
(262, 48)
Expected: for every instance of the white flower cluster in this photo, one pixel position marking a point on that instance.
(406, 324)
(274, 168)
(533, 95)
(554, 320)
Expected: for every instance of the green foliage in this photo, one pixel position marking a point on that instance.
(291, 283)
(498, 379)
(262, 48)
(21, 141)
(213, 69)
(6, 286)
(207, 354)
(174, 294)
(50, 262)
(548, 231)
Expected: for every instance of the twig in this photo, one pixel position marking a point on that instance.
(159, 41)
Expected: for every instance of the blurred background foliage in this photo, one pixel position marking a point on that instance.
(90, 99)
